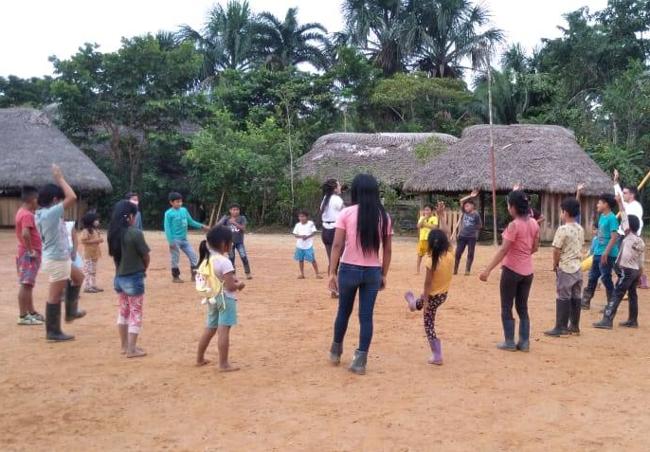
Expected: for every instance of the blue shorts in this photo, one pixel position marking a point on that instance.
(225, 318)
(132, 285)
(305, 255)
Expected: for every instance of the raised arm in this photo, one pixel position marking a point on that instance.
(579, 189)
(69, 195)
(441, 211)
(474, 194)
(625, 225)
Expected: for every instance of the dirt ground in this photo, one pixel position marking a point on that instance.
(586, 393)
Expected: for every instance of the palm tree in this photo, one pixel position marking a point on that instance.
(226, 40)
(286, 43)
(384, 29)
(450, 30)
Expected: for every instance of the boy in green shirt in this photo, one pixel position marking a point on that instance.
(177, 222)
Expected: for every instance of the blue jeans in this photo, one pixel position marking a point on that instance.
(367, 280)
(182, 245)
(241, 249)
(604, 272)
(132, 285)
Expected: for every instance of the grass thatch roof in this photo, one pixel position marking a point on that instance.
(29, 144)
(390, 157)
(542, 158)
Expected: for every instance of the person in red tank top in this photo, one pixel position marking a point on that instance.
(28, 258)
(520, 242)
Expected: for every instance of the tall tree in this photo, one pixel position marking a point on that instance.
(226, 41)
(383, 29)
(283, 43)
(450, 33)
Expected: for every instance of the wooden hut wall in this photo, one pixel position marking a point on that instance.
(10, 205)
(551, 207)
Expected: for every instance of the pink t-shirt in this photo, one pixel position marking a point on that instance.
(353, 254)
(524, 234)
(25, 219)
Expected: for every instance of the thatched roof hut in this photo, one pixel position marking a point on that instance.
(391, 157)
(29, 144)
(542, 158)
(547, 160)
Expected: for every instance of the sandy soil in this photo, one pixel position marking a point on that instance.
(588, 393)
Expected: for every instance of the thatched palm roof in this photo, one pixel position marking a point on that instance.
(542, 158)
(390, 157)
(29, 144)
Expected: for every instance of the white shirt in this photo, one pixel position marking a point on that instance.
(631, 208)
(222, 266)
(305, 229)
(331, 213)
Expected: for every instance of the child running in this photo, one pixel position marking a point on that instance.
(304, 232)
(130, 253)
(237, 224)
(630, 262)
(520, 242)
(470, 226)
(217, 270)
(177, 221)
(57, 264)
(426, 223)
(567, 257)
(91, 238)
(28, 259)
(605, 252)
(439, 265)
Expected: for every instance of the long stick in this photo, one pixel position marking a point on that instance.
(492, 157)
(644, 181)
(223, 194)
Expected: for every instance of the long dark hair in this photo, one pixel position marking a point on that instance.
(438, 246)
(118, 226)
(372, 220)
(216, 237)
(329, 187)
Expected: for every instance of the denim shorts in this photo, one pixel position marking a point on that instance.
(302, 255)
(225, 318)
(132, 284)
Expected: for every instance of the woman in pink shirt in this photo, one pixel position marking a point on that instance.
(520, 242)
(362, 229)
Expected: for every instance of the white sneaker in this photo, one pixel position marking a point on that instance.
(29, 320)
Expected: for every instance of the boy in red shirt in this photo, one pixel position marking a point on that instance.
(28, 259)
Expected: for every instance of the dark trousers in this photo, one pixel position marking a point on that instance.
(515, 289)
(241, 250)
(604, 272)
(470, 244)
(627, 283)
(367, 281)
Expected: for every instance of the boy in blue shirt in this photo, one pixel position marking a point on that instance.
(177, 221)
(605, 251)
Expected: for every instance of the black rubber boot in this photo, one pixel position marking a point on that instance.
(335, 353)
(358, 365)
(562, 312)
(53, 324)
(176, 275)
(524, 335)
(72, 311)
(509, 335)
(587, 295)
(604, 324)
(574, 317)
(633, 315)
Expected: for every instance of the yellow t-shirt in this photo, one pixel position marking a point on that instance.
(431, 221)
(442, 275)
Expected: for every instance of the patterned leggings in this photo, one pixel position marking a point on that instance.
(131, 312)
(90, 272)
(432, 305)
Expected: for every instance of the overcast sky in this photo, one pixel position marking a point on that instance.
(32, 30)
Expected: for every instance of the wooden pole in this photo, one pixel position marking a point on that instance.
(644, 181)
(492, 156)
(223, 194)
